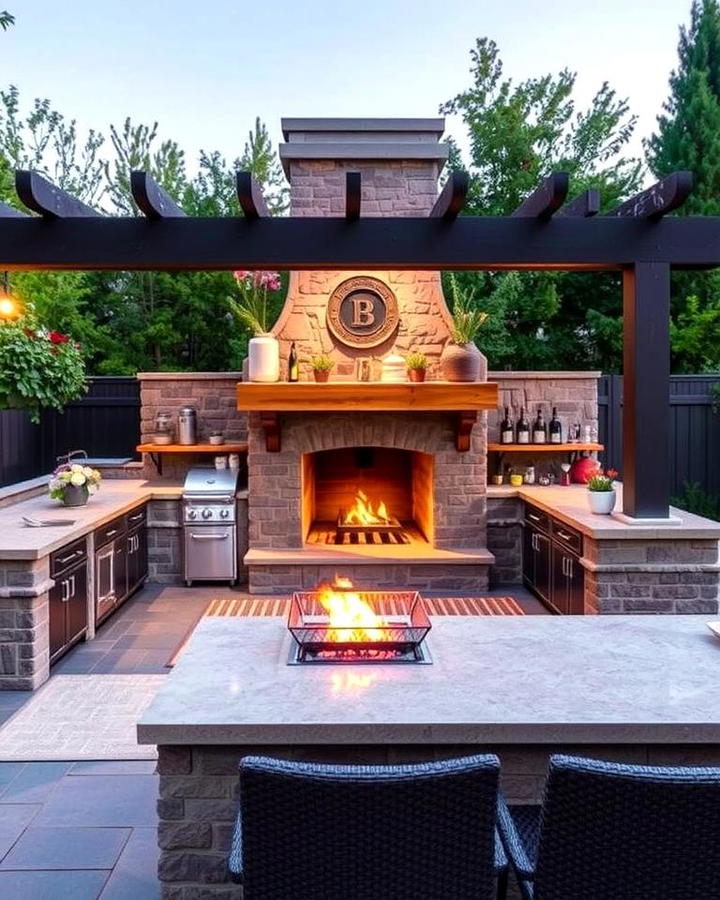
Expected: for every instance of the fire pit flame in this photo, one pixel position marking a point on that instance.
(351, 619)
(363, 513)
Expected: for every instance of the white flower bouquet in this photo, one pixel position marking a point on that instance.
(73, 483)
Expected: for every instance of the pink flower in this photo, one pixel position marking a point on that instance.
(242, 275)
(268, 280)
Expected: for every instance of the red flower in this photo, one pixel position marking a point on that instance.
(57, 338)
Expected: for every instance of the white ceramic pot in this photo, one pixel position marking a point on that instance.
(601, 502)
(464, 363)
(264, 358)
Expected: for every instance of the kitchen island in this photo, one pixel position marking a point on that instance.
(635, 688)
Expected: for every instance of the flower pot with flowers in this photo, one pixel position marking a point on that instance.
(416, 363)
(601, 491)
(322, 366)
(251, 310)
(73, 483)
(38, 368)
(461, 360)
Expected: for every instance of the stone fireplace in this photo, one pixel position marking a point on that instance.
(432, 481)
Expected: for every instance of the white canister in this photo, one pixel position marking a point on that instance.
(264, 358)
(234, 461)
(221, 462)
(394, 369)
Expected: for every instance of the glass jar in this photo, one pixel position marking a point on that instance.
(164, 428)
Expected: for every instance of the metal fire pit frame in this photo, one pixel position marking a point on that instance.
(404, 617)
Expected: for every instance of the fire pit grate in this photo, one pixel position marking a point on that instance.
(397, 638)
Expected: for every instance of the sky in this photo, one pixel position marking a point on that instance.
(205, 70)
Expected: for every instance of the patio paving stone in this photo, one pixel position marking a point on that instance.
(114, 767)
(105, 801)
(66, 848)
(14, 819)
(34, 783)
(8, 771)
(52, 885)
(135, 874)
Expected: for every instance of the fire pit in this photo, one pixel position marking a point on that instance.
(339, 624)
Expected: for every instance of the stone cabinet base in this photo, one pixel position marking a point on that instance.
(198, 799)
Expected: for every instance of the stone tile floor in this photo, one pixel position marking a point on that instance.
(87, 830)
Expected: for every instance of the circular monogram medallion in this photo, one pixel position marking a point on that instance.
(362, 312)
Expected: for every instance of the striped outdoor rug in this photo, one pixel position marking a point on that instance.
(435, 606)
(278, 606)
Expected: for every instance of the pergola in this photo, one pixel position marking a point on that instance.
(637, 239)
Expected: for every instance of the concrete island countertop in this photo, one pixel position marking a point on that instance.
(115, 497)
(570, 505)
(494, 679)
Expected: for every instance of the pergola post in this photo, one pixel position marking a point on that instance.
(646, 390)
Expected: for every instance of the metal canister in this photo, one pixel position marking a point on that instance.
(187, 425)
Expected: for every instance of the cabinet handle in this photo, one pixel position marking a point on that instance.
(111, 533)
(565, 537)
(71, 592)
(533, 517)
(534, 542)
(136, 518)
(571, 563)
(564, 566)
(65, 591)
(67, 559)
(209, 537)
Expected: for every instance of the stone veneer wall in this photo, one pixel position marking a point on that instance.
(199, 789)
(213, 394)
(460, 478)
(24, 639)
(504, 539)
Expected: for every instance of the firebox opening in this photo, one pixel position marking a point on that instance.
(367, 495)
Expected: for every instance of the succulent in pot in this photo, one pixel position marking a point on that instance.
(217, 437)
(322, 366)
(601, 491)
(461, 360)
(73, 483)
(416, 363)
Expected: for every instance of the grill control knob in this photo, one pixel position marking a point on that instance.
(206, 513)
(224, 513)
(192, 514)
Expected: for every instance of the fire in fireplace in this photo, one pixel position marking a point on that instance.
(368, 520)
(338, 624)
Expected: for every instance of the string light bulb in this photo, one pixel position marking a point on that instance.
(8, 305)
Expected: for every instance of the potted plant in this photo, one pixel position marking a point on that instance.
(461, 360)
(321, 366)
(252, 311)
(73, 483)
(38, 368)
(601, 491)
(416, 363)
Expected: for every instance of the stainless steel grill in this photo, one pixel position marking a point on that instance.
(209, 522)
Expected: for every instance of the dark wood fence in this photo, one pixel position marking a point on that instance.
(694, 429)
(105, 422)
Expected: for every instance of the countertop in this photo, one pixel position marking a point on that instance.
(115, 497)
(494, 679)
(570, 505)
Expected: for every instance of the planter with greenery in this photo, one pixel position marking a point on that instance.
(252, 311)
(416, 363)
(461, 360)
(601, 491)
(38, 368)
(321, 366)
(73, 483)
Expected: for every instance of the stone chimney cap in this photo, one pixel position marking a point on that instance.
(294, 129)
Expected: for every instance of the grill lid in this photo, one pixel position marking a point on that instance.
(204, 481)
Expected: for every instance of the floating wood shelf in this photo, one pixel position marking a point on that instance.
(465, 399)
(542, 448)
(156, 450)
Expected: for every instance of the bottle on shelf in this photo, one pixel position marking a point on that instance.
(507, 430)
(539, 433)
(523, 428)
(555, 428)
(293, 368)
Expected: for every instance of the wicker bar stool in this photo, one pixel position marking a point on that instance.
(307, 831)
(608, 831)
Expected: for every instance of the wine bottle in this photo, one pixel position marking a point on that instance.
(523, 428)
(293, 370)
(507, 432)
(539, 429)
(555, 428)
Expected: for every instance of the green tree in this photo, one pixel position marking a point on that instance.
(688, 137)
(6, 19)
(518, 134)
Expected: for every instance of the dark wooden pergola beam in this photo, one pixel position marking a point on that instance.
(353, 188)
(9, 212)
(50, 201)
(153, 200)
(453, 196)
(546, 199)
(473, 242)
(250, 197)
(583, 206)
(658, 200)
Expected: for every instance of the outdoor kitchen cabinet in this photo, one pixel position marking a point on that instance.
(551, 562)
(121, 560)
(67, 599)
(137, 549)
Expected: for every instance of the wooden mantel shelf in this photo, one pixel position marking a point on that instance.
(464, 398)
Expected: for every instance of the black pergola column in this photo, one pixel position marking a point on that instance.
(646, 390)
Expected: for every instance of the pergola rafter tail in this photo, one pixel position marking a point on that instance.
(152, 199)
(48, 200)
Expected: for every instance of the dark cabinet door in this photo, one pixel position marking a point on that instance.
(542, 565)
(576, 587)
(121, 568)
(528, 556)
(137, 558)
(56, 602)
(559, 593)
(77, 615)
(142, 554)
